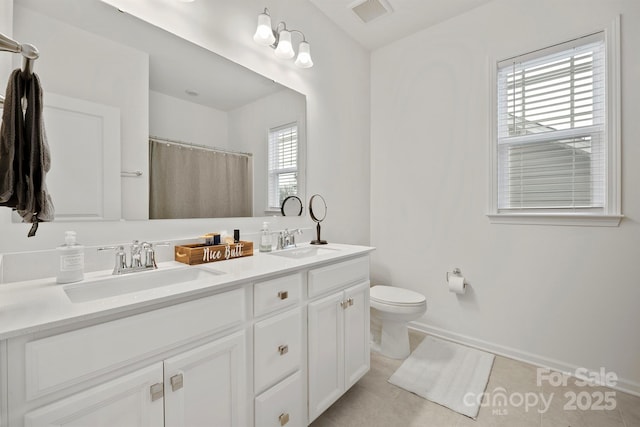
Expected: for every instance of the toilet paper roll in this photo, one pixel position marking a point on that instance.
(457, 284)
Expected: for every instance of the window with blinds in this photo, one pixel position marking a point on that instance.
(551, 134)
(283, 164)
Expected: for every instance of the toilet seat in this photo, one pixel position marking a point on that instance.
(391, 295)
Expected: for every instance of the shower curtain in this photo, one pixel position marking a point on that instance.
(193, 182)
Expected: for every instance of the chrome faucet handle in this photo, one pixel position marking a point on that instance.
(293, 236)
(148, 255)
(121, 258)
(281, 240)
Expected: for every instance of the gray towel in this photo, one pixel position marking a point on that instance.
(11, 133)
(24, 187)
(36, 205)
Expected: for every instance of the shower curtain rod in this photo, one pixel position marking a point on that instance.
(202, 147)
(28, 51)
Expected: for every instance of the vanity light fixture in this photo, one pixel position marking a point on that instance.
(279, 38)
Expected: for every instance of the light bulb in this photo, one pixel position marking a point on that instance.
(284, 50)
(264, 33)
(304, 55)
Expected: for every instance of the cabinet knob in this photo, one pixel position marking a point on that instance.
(157, 391)
(284, 418)
(283, 349)
(283, 294)
(176, 382)
(350, 301)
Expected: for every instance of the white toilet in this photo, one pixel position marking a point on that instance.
(391, 309)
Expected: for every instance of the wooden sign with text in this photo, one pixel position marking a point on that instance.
(201, 254)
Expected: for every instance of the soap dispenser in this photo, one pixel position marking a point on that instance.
(71, 268)
(265, 238)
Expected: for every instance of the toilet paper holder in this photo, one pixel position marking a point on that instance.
(456, 272)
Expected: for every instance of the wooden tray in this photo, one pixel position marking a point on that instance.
(202, 254)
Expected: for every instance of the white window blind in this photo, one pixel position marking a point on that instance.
(283, 163)
(551, 138)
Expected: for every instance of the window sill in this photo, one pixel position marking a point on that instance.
(570, 219)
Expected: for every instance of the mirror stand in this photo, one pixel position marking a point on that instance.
(318, 241)
(318, 211)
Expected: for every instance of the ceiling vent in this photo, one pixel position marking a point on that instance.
(368, 10)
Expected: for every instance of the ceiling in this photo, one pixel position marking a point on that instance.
(406, 17)
(175, 65)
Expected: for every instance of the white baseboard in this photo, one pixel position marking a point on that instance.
(622, 384)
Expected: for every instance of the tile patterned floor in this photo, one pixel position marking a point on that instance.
(373, 402)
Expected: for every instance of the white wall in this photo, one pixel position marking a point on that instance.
(559, 296)
(180, 120)
(248, 129)
(337, 90)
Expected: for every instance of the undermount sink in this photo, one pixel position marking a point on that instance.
(304, 252)
(134, 282)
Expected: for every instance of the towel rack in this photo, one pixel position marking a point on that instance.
(28, 52)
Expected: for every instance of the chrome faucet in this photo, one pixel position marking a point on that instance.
(142, 257)
(287, 239)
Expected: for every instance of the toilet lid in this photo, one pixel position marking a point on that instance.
(398, 296)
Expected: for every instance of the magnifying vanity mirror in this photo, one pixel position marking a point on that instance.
(291, 206)
(317, 211)
(124, 99)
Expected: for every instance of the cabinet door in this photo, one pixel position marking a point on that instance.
(124, 402)
(356, 339)
(206, 386)
(326, 353)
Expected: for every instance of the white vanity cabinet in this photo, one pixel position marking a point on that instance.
(338, 330)
(203, 386)
(275, 347)
(173, 366)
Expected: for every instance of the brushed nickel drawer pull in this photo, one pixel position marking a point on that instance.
(157, 391)
(176, 382)
(350, 301)
(283, 349)
(283, 294)
(284, 418)
(344, 304)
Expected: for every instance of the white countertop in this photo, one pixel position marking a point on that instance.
(37, 305)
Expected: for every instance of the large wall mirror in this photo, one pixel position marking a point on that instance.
(134, 111)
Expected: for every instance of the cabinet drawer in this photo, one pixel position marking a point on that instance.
(338, 275)
(274, 294)
(282, 405)
(62, 360)
(278, 348)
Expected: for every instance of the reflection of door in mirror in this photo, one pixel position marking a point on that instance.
(84, 138)
(163, 86)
